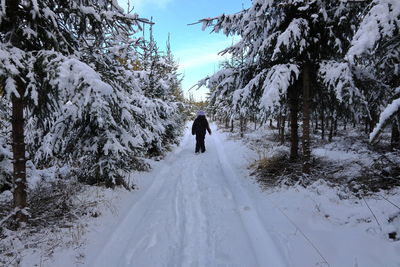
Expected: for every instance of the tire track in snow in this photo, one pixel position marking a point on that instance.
(195, 229)
(124, 231)
(191, 215)
(266, 252)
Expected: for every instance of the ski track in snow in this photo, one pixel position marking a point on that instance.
(195, 213)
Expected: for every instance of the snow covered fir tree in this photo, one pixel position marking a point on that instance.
(81, 90)
(327, 61)
(97, 158)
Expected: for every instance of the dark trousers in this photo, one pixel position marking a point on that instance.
(200, 147)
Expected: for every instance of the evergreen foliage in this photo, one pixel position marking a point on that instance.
(75, 85)
(344, 55)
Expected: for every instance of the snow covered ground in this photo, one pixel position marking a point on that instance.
(204, 210)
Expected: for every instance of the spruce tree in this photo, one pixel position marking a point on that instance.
(33, 33)
(376, 48)
(285, 44)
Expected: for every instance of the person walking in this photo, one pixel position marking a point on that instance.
(199, 128)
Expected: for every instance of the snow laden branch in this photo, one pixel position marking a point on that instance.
(377, 43)
(104, 124)
(386, 116)
(242, 96)
(12, 60)
(293, 38)
(223, 85)
(381, 22)
(277, 81)
(338, 76)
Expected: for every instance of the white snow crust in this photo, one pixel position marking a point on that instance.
(204, 210)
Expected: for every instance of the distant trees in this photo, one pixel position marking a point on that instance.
(316, 56)
(73, 92)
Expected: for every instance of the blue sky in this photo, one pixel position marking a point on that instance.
(196, 51)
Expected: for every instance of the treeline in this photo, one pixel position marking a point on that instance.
(319, 62)
(81, 90)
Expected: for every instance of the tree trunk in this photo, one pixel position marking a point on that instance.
(293, 98)
(316, 123)
(331, 126)
(278, 122)
(395, 138)
(306, 119)
(241, 126)
(371, 123)
(282, 125)
(335, 127)
(19, 161)
(231, 125)
(322, 125)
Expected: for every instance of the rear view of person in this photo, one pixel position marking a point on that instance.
(199, 128)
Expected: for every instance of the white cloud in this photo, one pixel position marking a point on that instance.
(140, 5)
(199, 60)
(201, 54)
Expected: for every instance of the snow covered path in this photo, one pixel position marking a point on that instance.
(195, 213)
(203, 210)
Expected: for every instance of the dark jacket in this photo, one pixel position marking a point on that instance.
(200, 126)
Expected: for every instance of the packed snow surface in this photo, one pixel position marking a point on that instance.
(195, 213)
(203, 210)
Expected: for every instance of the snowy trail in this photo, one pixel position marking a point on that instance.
(195, 213)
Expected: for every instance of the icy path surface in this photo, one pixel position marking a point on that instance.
(195, 213)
